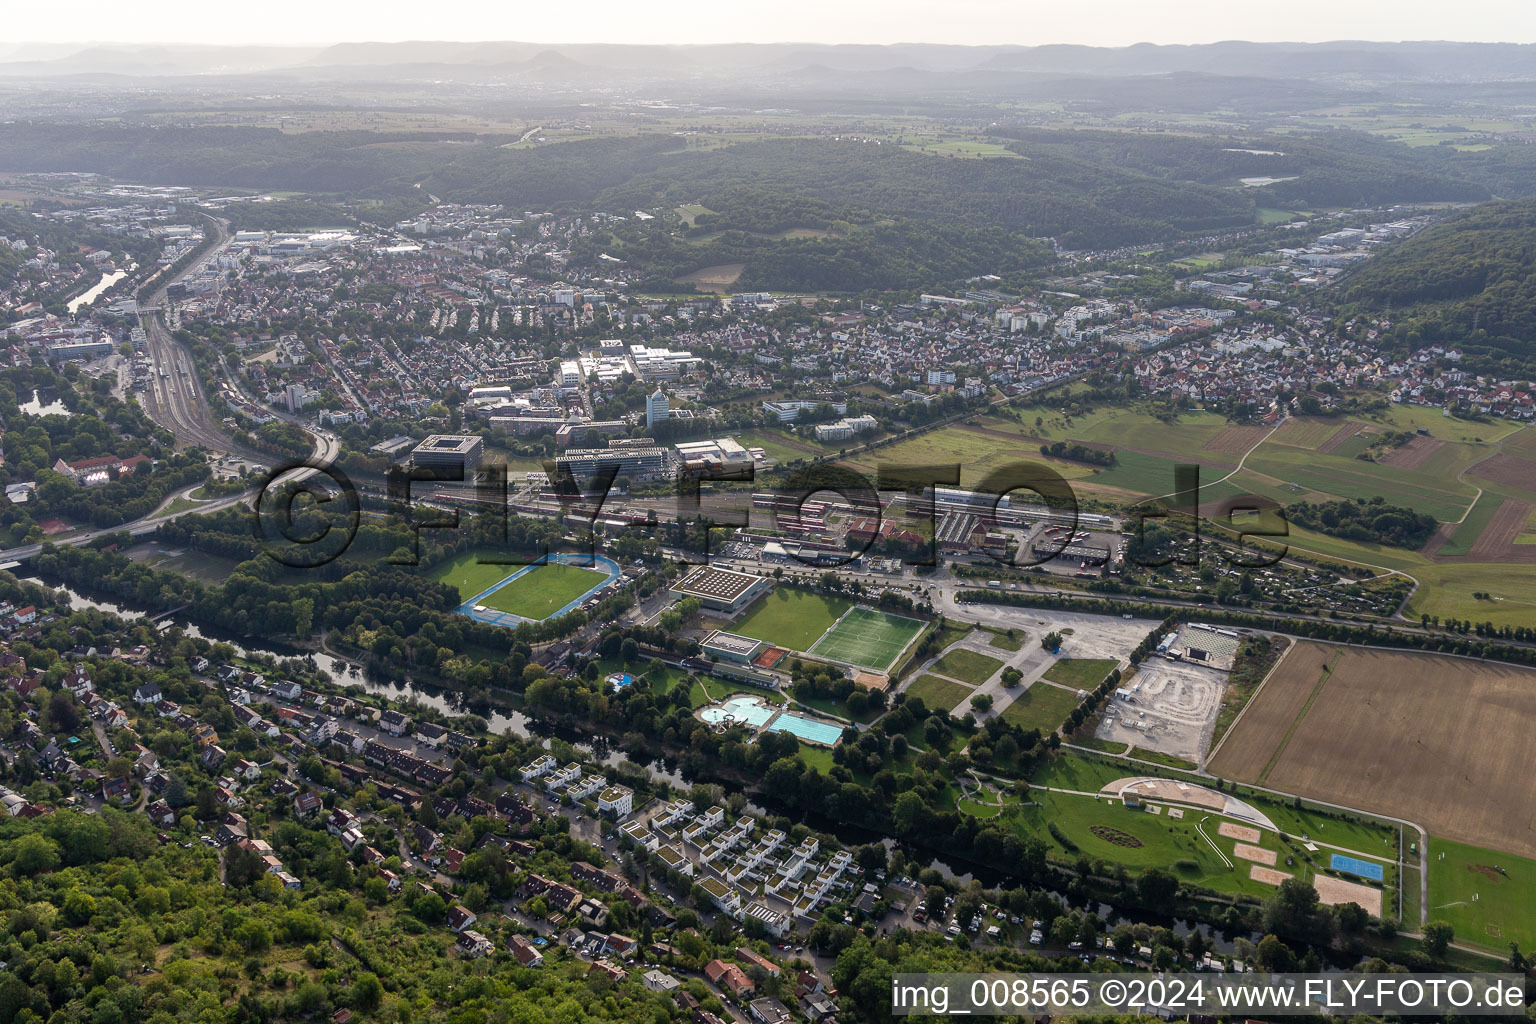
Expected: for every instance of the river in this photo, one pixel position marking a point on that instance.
(600, 750)
(350, 674)
(107, 281)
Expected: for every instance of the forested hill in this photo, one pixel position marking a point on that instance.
(1476, 267)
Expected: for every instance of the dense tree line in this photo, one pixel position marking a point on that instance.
(1372, 521)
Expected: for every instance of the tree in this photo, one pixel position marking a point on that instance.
(176, 792)
(1437, 938)
(367, 991)
(34, 854)
(981, 701)
(1052, 641)
(1351, 917)
(908, 811)
(1274, 956)
(1157, 888)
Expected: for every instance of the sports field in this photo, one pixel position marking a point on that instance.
(1489, 898)
(1191, 845)
(790, 618)
(1437, 740)
(471, 576)
(543, 590)
(868, 638)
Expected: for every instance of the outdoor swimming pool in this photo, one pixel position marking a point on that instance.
(756, 712)
(750, 710)
(806, 728)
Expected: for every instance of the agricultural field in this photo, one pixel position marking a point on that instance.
(938, 694)
(1488, 898)
(1436, 493)
(790, 618)
(720, 276)
(543, 590)
(1042, 707)
(978, 453)
(1471, 528)
(967, 666)
(972, 148)
(1385, 731)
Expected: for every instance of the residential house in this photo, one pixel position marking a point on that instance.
(729, 977)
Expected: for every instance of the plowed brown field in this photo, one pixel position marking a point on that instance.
(1441, 741)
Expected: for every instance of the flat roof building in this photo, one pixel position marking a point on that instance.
(721, 589)
(640, 462)
(450, 451)
(730, 647)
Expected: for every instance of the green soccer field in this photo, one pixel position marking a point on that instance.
(790, 618)
(868, 638)
(543, 590)
(471, 576)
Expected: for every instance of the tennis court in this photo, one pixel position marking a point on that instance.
(867, 638)
(1356, 866)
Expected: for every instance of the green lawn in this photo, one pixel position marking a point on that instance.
(1042, 707)
(836, 708)
(1080, 673)
(1158, 757)
(938, 694)
(544, 590)
(1485, 907)
(1165, 841)
(471, 576)
(790, 618)
(817, 757)
(967, 666)
(1004, 642)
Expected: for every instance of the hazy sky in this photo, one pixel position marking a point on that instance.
(1029, 22)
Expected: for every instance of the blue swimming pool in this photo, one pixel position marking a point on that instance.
(1356, 866)
(749, 710)
(758, 713)
(806, 728)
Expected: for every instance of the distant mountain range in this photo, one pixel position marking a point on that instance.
(1343, 61)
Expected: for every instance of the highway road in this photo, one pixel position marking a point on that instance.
(138, 528)
(174, 397)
